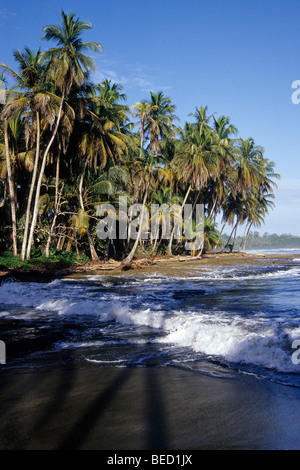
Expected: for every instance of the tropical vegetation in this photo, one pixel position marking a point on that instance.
(68, 144)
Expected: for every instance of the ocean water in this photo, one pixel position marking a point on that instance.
(222, 321)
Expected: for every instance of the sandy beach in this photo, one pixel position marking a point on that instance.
(144, 409)
(163, 265)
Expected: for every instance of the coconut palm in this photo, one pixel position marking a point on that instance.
(34, 96)
(11, 190)
(249, 166)
(166, 201)
(67, 65)
(143, 110)
(145, 170)
(159, 120)
(102, 142)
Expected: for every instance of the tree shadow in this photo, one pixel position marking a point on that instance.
(153, 413)
(78, 435)
(157, 429)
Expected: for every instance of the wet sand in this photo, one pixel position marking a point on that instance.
(170, 266)
(162, 408)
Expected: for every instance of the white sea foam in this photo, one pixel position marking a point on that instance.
(256, 340)
(236, 275)
(261, 343)
(100, 361)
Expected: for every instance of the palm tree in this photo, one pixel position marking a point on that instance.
(218, 187)
(33, 83)
(11, 190)
(260, 200)
(249, 165)
(67, 64)
(143, 110)
(159, 119)
(166, 200)
(103, 142)
(145, 170)
(224, 128)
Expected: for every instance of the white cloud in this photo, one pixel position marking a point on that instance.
(130, 80)
(128, 75)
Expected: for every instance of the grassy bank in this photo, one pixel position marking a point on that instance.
(58, 260)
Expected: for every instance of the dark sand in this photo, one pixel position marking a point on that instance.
(144, 409)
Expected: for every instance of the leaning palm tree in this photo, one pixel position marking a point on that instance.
(68, 65)
(256, 217)
(225, 133)
(9, 172)
(37, 100)
(198, 159)
(11, 189)
(260, 200)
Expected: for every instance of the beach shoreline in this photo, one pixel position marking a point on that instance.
(164, 265)
(62, 401)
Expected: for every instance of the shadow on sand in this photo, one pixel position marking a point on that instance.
(76, 407)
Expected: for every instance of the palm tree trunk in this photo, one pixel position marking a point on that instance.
(246, 237)
(227, 243)
(94, 255)
(217, 244)
(56, 205)
(212, 209)
(234, 236)
(39, 183)
(142, 133)
(173, 229)
(155, 242)
(199, 255)
(11, 191)
(129, 258)
(32, 186)
(195, 201)
(242, 241)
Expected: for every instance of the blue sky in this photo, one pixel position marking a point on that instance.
(239, 58)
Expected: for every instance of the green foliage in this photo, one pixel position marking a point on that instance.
(94, 156)
(8, 261)
(57, 258)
